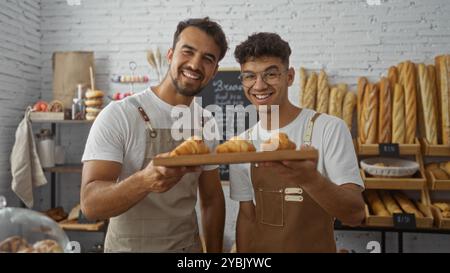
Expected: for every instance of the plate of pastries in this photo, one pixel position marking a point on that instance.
(194, 152)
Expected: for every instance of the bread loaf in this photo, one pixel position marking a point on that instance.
(348, 108)
(392, 76)
(323, 93)
(410, 102)
(302, 83)
(375, 203)
(389, 202)
(309, 96)
(398, 116)
(433, 82)
(385, 113)
(443, 83)
(406, 204)
(427, 103)
(371, 115)
(362, 82)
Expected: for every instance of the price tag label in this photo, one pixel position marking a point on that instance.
(404, 220)
(389, 149)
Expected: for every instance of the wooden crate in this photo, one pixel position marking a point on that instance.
(417, 182)
(434, 150)
(372, 149)
(387, 221)
(435, 184)
(38, 116)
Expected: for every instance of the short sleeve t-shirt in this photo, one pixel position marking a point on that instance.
(118, 133)
(331, 137)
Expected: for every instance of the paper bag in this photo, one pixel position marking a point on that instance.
(69, 70)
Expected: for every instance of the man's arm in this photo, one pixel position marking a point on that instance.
(212, 203)
(245, 225)
(101, 197)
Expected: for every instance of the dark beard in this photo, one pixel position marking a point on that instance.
(184, 91)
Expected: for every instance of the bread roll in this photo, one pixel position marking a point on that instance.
(385, 113)
(440, 174)
(323, 93)
(398, 116)
(348, 108)
(47, 246)
(235, 145)
(91, 94)
(445, 166)
(406, 204)
(371, 115)
(309, 96)
(442, 206)
(410, 103)
(428, 107)
(13, 244)
(446, 214)
(278, 141)
(362, 82)
(302, 83)
(392, 76)
(443, 83)
(389, 202)
(191, 146)
(375, 203)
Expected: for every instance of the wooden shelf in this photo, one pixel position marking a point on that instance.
(71, 168)
(372, 149)
(413, 183)
(434, 150)
(75, 226)
(63, 121)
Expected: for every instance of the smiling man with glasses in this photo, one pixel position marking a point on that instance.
(290, 206)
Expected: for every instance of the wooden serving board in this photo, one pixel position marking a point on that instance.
(234, 158)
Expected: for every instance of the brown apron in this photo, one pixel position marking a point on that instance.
(287, 218)
(161, 222)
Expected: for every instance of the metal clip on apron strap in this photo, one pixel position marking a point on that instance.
(309, 130)
(144, 116)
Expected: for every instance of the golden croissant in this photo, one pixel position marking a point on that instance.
(279, 141)
(191, 146)
(235, 145)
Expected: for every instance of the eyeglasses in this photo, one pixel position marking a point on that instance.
(270, 77)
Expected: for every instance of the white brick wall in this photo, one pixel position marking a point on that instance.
(347, 38)
(20, 74)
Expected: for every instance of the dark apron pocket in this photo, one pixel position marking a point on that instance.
(271, 207)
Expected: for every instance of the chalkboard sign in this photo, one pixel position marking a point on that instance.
(389, 149)
(225, 91)
(404, 220)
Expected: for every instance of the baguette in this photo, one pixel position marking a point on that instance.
(348, 108)
(389, 202)
(385, 113)
(443, 83)
(406, 204)
(302, 83)
(375, 203)
(410, 102)
(398, 116)
(433, 82)
(371, 115)
(323, 93)
(309, 96)
(392, 76)
(362, 82)
(428, 107)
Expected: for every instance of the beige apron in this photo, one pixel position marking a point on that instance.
(161, 222)
(287, 218)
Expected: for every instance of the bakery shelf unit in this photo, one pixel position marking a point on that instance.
(68, 168)
(417, 182)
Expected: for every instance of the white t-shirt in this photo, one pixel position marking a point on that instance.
(331, 137)
(118, 133)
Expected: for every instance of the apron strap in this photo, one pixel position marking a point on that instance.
(144, 116)
(309, 130)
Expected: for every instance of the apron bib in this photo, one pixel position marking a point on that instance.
(287, 218)
(161, 222)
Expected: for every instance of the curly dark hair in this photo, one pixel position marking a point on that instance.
(211, 28)
(263, 44)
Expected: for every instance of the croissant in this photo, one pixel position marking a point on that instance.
(278, 142)
(235, 145)
(191, 146)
